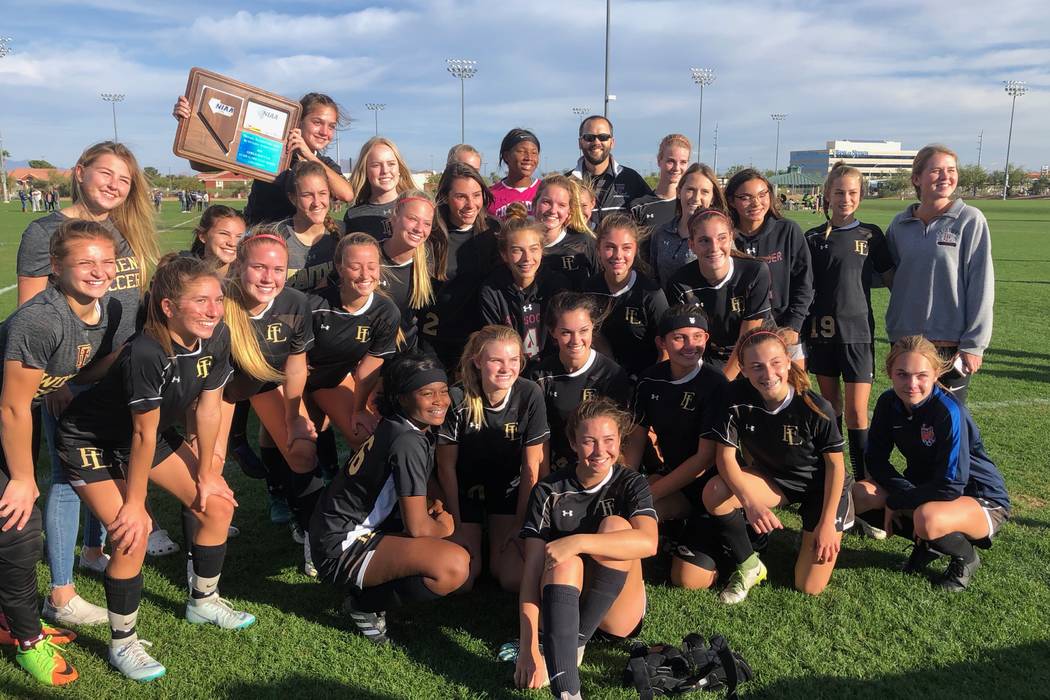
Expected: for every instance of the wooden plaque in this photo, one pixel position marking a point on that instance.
(235, 126)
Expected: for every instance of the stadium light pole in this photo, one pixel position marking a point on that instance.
(702, 77)
(714, 165)
(581, 112)
(605, 94)
(777, 117)
(376, 108)
(113, 98)
(462, 69)
(1015, 89)
(5, 48)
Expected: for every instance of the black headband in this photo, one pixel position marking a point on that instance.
(421, 379)
(517, 138)
(671, 323)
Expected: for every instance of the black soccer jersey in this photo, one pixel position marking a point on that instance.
(342, 338)
(781, 245)
(842, 266)
(44, 333)
(504, 303)
(788, 442)
(309, 266)
(652, 212)
(564, 391)
(455, 314)
(268, 201)
(373, 219)
(396, 282)
(145, 377)
(560, 506)
(574, 256)
(491, 453)
(395, 462)
(680, 411)
(742, 296)
(631, 318)
(283, 328)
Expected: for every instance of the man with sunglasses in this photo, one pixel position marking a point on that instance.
(615, 185)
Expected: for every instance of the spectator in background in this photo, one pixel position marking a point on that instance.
(157, 199)
(37, 199)
(615, 185)
(22, 196)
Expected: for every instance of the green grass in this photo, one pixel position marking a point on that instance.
(873, 634)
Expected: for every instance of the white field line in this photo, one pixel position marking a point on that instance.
(8, 288)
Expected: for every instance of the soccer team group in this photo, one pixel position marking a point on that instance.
(548, 380)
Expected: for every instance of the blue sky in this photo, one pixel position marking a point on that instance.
(916, 72)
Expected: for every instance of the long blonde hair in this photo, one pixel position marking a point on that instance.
(244, 345)
(422, 290)
(134, 216)
(576, 221)
(470, 375)
(359, 176)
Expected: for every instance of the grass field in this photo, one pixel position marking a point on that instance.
(873, 634)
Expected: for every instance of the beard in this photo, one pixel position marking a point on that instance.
(593, 160)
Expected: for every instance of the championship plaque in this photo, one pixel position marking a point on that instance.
(234, 126)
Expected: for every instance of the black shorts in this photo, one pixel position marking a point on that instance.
(348, 567)
(87, 463)
(326, 377)
(811, 504)
(854, 362)
(479, 500)
(996, 514)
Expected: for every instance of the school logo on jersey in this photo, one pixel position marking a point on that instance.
(476, 492)
(737, 304)
(204, 366)
(947, 237)
(791, 435)
(607, 506)
(91, 458)
(687, 401)
(363, 334)
(927, 435)
(588, 394)
(83, 353)
(632, 316)
(568, 262)
(860, 247)
(510, 431)
(273, 334)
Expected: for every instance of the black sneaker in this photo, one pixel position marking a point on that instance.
(958, 574)
(921, 557)
(371, 625)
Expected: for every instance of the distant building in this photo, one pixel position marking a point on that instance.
(222, 180)
(25, 176)
(876, 159)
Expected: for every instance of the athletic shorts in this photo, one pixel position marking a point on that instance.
(326, 377)
(854, 362)
(811, 503)
(479, 500)
(349, 566)
(699, 542)
(85, 463)
(797, 351)
(996, 515)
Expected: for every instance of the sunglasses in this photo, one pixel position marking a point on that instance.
(591, 138)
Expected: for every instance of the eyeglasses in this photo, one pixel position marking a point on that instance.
(591, 138)
(750, 198)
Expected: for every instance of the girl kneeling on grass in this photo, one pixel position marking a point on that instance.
(588, 528)
(119, 435)
(491, 450)
(795, 449)
(374, 530)
(950, 493)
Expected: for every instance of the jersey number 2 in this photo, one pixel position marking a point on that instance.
(430, 325)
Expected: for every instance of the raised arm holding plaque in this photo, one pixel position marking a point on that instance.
(234, 126)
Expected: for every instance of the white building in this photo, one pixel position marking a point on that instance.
(876, 159)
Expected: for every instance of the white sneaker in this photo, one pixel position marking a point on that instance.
(76, 612)
(308, 561)
(160, 544)
(748, 575)
(132, 660)
(217, 611)
(869, 530)
(98, 565)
